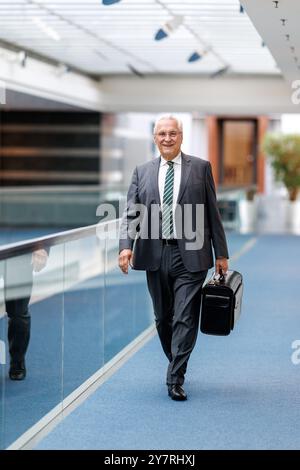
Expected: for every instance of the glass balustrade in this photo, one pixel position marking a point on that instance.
(83, 311)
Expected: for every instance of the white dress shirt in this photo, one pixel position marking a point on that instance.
(163, 168)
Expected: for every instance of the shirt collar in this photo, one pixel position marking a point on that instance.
(175, 160)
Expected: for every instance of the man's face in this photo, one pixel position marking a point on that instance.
(168, 138)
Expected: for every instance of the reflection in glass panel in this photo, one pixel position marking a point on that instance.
(127, 304)
(33, 290)
(143, 310)
(83, 310)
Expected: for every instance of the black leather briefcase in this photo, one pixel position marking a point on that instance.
(221, 303)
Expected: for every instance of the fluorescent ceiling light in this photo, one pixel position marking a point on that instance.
(46, 28)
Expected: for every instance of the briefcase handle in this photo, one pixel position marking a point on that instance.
(220, 279)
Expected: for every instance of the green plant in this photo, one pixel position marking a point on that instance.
(284, 152)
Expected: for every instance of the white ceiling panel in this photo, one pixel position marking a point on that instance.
(99, 39)
(278, 22)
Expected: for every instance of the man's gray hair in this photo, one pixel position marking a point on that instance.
(168, 117)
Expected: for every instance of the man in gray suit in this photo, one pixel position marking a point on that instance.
(168, 229)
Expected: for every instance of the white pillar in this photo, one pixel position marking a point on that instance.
(199, 136)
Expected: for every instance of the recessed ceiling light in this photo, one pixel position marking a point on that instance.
(169, 27)
(109, 2)
(194, 57)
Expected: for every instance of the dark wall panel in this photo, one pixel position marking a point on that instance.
(49, 147)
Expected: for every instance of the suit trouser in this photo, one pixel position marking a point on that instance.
(176, 297)
(17, 291)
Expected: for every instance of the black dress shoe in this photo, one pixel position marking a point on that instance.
(17, 370)
(176, 392)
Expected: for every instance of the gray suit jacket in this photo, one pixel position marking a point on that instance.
(196, 188)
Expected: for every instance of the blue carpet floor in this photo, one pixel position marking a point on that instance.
(243, 390)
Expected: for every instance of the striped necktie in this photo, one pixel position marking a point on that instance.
(167, 207)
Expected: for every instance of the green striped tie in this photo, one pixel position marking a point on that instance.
(167, 207)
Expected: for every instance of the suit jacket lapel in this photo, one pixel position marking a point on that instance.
(185, 173)
(154, 179)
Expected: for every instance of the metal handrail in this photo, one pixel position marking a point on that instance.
(62, 188)
(21, 248)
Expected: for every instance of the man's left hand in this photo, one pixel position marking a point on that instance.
(221, 266)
